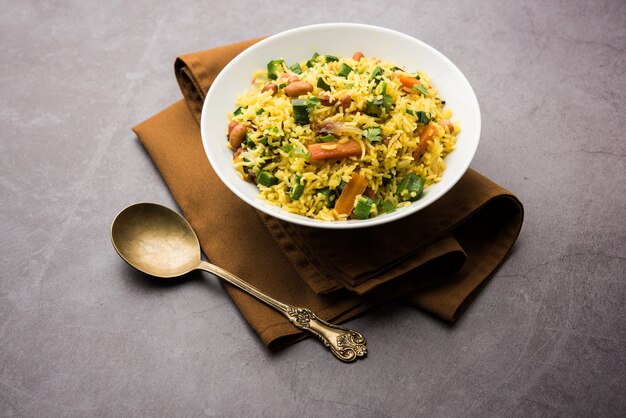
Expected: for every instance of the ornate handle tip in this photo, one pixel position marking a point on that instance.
(350, 346)
(347, 345)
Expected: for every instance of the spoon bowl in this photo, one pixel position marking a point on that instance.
(159, 242)
(155, 240)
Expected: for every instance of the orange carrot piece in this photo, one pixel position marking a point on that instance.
(352, 189)
(427, 134)
(326, 150)
(407, 81)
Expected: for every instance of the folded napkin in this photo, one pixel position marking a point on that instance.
(436, 259)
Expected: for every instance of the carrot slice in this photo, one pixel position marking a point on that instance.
(427, 134)
(352, 189)
(407, 81)
(326, 150)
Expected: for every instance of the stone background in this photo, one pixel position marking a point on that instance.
(81, 334)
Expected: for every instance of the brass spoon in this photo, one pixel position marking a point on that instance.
(159, 242)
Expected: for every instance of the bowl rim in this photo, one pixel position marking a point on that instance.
(282, 214)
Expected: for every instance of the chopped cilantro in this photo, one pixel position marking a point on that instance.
(375, 106)
(373, 134)
(422, 117)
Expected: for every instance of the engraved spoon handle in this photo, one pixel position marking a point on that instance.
(346, 345)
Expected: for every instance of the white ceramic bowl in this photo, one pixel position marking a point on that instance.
(339, 39)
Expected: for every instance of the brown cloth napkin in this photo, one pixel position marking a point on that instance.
(436, 259)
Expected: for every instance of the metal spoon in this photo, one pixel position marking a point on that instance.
(159, 242)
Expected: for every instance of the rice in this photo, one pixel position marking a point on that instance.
(395, 130)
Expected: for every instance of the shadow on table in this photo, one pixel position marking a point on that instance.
(137, 279)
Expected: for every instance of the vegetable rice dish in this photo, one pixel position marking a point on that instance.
(336, 138)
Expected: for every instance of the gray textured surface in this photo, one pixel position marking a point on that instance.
(81, 334)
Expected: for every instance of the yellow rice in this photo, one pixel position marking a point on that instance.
(273, 135)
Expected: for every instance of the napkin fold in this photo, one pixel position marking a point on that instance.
(437, 259)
